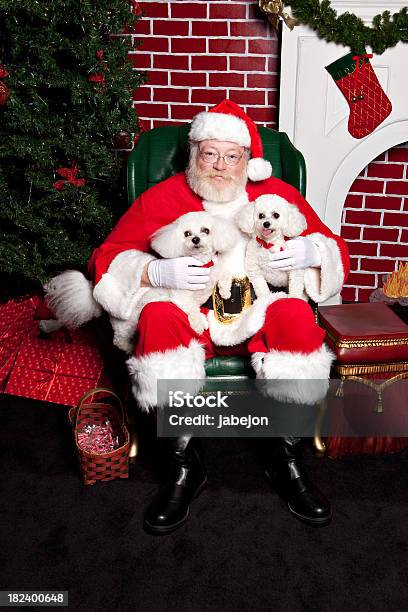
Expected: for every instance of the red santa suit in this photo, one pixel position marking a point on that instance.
(279, 333)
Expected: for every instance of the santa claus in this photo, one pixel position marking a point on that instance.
(226, 172)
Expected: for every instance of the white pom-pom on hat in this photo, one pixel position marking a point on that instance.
(228, 122)
(259, 169)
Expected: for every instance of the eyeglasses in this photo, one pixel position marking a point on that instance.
(209, 157)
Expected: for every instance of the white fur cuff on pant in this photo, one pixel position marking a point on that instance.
(183, 363)
(312, 371)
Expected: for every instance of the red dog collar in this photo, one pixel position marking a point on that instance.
(266, 245)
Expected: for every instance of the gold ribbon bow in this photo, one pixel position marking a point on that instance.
(274, 10)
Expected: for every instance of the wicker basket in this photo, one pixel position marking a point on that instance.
(101, 466)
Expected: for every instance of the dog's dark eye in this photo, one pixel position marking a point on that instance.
(205, 230)
(261, 216)
(187, 234)
(276, 215)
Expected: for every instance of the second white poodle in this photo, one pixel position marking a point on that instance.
(269, 220)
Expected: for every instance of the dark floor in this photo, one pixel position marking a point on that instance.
(240, 549)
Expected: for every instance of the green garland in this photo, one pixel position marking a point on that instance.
(349, 30)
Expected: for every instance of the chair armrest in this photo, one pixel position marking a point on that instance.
(137, 168)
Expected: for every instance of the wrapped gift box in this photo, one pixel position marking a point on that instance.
(17, 316)
(16, 322)
(8, 353)
(370, 342)
(56, 371)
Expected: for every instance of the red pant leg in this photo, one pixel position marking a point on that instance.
(164, 326)
(289, 326)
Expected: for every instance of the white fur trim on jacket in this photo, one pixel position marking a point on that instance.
(119, 288)
(246, 325)
(220, 126)
(278, 368)
(183, 363)
(324, 282)
(69, 296)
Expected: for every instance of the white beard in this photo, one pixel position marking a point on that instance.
(203, 186)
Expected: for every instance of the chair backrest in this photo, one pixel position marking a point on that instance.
(163, 151)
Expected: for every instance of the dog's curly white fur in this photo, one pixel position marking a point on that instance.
(198, 235)
(271, 219)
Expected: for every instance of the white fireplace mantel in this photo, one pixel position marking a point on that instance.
(314, 113)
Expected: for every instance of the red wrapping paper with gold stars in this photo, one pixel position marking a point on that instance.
(55, 371)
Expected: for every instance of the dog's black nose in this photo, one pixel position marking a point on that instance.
(195, 240)
(266, 224)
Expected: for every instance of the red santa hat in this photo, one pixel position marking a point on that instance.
(227, 121)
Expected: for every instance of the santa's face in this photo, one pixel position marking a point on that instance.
(217, 170)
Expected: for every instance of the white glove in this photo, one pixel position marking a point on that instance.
(300, 252)
(178, 273)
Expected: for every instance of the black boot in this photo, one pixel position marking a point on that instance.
(185, 480)
(287, 476)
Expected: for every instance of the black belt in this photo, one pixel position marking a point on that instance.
(234, 304)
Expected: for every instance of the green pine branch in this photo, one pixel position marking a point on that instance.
(55, 115)
(349, 30)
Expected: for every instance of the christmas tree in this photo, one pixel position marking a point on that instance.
(65, 95)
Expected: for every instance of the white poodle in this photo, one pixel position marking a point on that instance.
(198, 235)
(195, 234)
(269, 220)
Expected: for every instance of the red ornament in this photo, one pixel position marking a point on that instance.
(4, 90)
(70, 175)
(4, 94)
(97, 78)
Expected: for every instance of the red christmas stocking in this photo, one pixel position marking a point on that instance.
(357, 81)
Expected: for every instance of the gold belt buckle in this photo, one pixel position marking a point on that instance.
(245, 297)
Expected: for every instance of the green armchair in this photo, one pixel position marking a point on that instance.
(162, 152)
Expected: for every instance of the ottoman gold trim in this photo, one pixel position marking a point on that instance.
(371, 368)
(365, 343)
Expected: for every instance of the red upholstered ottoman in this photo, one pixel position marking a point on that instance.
(370, 342)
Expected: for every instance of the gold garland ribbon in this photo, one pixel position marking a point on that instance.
(273, 9)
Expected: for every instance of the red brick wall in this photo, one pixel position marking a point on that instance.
(198, 53)
(375, 222)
